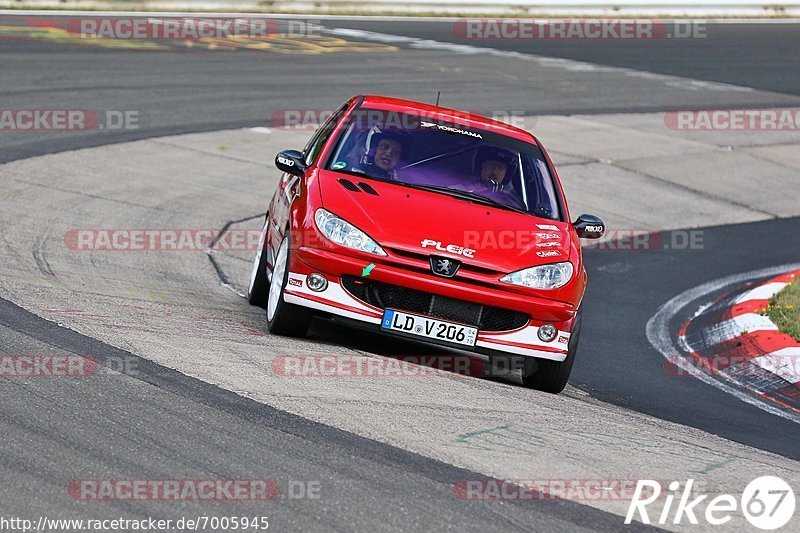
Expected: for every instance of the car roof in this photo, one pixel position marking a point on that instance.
(464, 118)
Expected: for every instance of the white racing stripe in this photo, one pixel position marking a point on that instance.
(334, 294)
(660, 336)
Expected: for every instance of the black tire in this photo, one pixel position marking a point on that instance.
(288, 319)
(552, 376)
(258, 289)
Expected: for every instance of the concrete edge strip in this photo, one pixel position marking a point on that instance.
(254, 412)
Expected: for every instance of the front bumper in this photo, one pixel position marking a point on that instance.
(337, 301)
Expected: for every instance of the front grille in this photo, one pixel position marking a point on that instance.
(384, 295)
(424, 262)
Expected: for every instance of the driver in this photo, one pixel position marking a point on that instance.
(384, 149)
(492, 171)
(493, 168)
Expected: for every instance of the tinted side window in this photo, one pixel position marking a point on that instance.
(314, 146)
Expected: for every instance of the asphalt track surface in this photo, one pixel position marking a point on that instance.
(752, 55)
(152, 422)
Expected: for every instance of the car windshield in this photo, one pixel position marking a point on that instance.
(470, 164)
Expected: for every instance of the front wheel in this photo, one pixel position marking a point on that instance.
(259, 285)
(552, 376)
(284, 318)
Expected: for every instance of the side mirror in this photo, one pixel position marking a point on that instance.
(291, 162)
(589, 227)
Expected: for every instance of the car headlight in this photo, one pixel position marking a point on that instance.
(547, 277)
(342, 232)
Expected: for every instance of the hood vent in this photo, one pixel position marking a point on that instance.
(349, 185)
(367, 188)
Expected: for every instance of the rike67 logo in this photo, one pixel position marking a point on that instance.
(767, 503)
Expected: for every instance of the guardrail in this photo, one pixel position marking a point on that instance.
(606, 8)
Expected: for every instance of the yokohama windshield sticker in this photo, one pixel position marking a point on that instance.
(450, 129)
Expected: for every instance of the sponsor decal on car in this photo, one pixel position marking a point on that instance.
(451, 248)
(285, 161)
(450, 129)
(548, 253)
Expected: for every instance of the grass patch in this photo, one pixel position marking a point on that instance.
(784, 309)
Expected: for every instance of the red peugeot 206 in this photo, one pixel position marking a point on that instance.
(429, 223)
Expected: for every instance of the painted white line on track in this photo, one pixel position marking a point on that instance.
(660, 336)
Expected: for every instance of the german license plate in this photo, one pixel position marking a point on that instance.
(430, 328)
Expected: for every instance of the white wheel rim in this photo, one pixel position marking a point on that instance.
(257, 261)
(275, 285)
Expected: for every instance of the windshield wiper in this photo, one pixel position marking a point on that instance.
(468, 196)
(351, 171)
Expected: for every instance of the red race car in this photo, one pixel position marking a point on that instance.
(429, 223)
